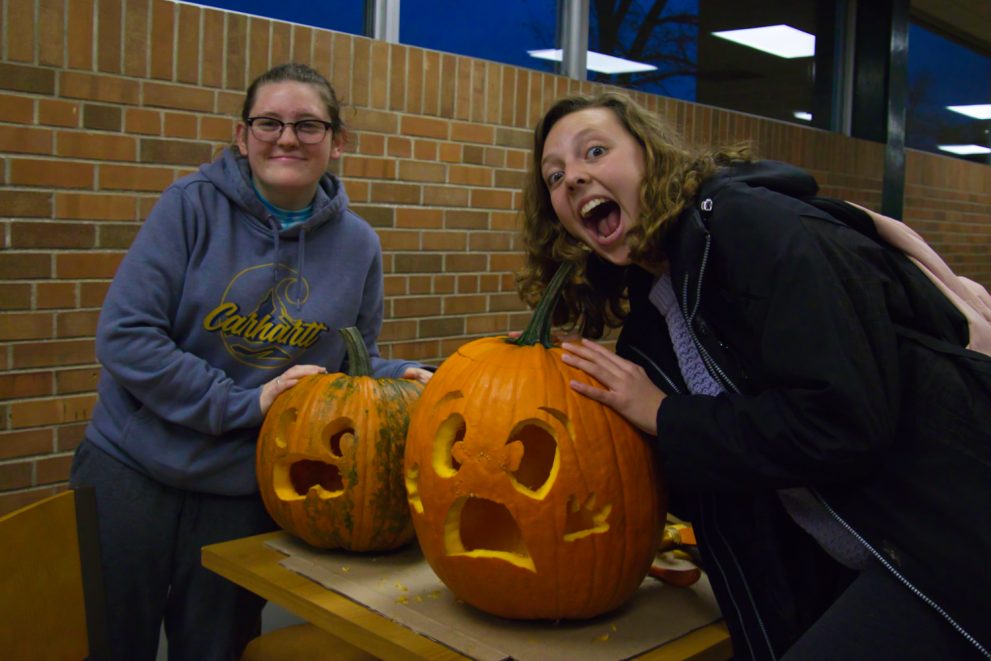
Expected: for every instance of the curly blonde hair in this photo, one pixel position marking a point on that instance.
(673, 170)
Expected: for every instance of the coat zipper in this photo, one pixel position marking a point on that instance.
(904, 581)
(675, 389)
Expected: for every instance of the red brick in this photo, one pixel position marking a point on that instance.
(77, 144)
(53, 469)
(67, 437)
(91, 294)
(174, 152)
(179, 97)
(220, 129)
(51, 174)
(95, 206)
(25, 326)
(19, 385)
(162, 32)
(80, 36)
(26, 443)
(25, 140)
(77, 380)
(87, 265)
(188, 45)
(19, 266)
(16, 475)
(26, 204)
(180, 125)
(108, 39)
(237, 48)
(98, 87)
(20, 30)
(212, 60)
(52, 235)
(136, 38)
(79, 323)
(102, 118)
(140, 120)
(15, 296)
(53, 354)
(58, 113)
(51, 32)
(135, 177)
(16, 108)
(51, 295)
(113, 236)
(425, 127)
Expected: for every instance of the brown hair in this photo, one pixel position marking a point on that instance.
(673, 170)
(299, 73)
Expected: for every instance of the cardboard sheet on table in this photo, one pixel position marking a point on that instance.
(402, 586)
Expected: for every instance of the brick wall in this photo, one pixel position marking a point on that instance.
(104, 102)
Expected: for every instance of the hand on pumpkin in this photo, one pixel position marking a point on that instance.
(418, 374)
(629, 391)
(284, 382)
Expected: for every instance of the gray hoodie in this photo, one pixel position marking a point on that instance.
(212, 300)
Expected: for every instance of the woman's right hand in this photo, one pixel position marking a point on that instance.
(284, 382)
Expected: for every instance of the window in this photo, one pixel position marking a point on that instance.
(949, 97)
(499, 31)
(341, 15)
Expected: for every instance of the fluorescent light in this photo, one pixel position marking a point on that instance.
(596, 61)
(803, 115)
(977, 111)
(781, 40)
(965, 150)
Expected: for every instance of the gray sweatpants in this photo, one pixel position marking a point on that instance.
(150, 537)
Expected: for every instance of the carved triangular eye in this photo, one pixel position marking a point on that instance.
(339, 435)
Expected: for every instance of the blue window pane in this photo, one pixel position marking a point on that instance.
(663, 34)
(341, 15)
(499, 31)
(942, 73)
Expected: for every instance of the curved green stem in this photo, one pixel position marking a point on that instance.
(359, 364)
(539, 328)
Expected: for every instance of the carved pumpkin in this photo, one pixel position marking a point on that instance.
(529, 500)
(330, 453)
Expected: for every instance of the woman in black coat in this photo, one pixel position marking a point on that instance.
(807, 388)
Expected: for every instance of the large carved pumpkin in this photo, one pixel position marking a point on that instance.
(330, 455)
(529, 500)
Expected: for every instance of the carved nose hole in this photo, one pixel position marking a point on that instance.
(305, 474)
(539, 453)
(485, 524)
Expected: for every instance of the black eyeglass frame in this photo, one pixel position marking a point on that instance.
(328, 128)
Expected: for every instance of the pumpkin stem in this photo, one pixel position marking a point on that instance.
(359, 364)
(539, 328)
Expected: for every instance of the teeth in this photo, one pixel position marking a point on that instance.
(592, 204)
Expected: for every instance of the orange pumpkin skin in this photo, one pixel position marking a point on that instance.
(329, 461)
(529, 500)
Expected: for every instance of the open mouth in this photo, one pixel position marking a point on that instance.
(601, 218)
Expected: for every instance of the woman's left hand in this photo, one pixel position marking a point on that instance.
(629, 391)
(418, 374)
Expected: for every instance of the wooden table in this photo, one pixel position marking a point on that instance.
(254, 566)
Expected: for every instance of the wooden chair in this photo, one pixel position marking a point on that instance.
(52, 602)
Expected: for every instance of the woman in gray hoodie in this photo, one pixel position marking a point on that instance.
(232, 291)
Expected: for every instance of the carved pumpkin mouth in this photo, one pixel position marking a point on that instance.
(295, 475)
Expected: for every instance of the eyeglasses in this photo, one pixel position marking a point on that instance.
(308, 131)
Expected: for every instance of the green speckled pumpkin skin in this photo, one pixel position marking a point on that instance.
(330, 461)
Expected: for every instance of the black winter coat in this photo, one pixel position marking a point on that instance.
(806, 323)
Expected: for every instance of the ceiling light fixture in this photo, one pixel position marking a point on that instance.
(596, 61)
(965, 150)
(977, 111)
(781, 40)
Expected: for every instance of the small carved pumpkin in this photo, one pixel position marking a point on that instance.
(529, 500)
(330, 453)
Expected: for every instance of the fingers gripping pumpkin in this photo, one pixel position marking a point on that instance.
(529, 501)
(330, 453)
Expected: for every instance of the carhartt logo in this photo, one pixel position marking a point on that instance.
(268, 335)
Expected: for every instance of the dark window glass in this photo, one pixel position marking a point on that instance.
(662, 34)
(499, 31)
(942, 73)
(681, 38)
(341, 15)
